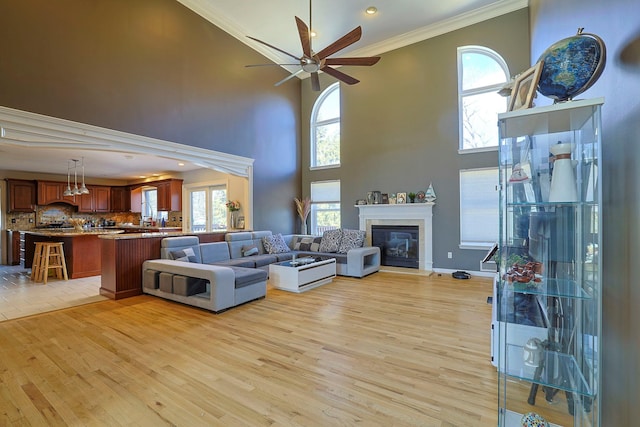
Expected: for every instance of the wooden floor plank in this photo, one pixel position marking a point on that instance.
(389, 349)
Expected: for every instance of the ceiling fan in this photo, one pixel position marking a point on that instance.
(312, 62)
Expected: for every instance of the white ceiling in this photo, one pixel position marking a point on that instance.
(398, 23)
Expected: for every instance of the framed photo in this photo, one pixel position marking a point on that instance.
(240, 222)
(385, 199)
(392, 198)
(524, 88)
(401, 198)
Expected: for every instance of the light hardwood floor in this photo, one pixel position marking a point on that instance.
(387, 350)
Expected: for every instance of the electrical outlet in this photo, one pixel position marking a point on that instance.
(450, 255)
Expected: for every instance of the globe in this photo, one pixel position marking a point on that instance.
(571, 66)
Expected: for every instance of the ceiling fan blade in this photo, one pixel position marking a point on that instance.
(273, 47)
(344, 41)
(305, 38)
(315, 82)
(290, 76)
(370, 60)
(340, 75)
(269, 65)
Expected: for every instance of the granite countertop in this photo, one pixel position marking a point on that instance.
(141, 235)
(145, 227)
(72, 233)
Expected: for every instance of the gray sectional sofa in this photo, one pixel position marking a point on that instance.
(220, 275)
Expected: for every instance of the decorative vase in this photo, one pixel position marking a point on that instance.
(563, 180)
(303, 226)
(234, 215)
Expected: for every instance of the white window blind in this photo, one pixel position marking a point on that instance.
(325, 191)
(479, 211)
(325, 206)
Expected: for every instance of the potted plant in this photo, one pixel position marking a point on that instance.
(412, 197)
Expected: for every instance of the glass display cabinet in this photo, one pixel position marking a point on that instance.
(548, 288)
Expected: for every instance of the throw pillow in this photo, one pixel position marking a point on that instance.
(275, 244)
(186, 255)
(309, 244)
(351, 239)
(331, 240)
(249, 250)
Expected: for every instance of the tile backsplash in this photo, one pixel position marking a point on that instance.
(60, 213)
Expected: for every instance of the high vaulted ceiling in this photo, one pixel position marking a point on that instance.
(397, 23)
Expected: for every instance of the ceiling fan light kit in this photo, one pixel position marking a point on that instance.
(312, 62)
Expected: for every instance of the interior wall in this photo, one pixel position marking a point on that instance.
(155, 68)
(616, 22)
(400, 127)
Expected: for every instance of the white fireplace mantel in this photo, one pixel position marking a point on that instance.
(419, 214)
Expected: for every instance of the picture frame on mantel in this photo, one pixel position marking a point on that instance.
(392, 198)
(401, 198)
(385, 199)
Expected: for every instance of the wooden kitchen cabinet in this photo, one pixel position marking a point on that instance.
(98, 199)
(21, 195)
(136, 200)
(169, 194)
(120, 199)
(52, 192)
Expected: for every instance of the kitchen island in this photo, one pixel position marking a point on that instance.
(82, 249)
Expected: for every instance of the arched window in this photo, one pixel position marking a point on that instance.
(481, 74)
(325, 129)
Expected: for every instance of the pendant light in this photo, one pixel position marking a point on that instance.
(83, 189)
(68, 191)
(76, 190)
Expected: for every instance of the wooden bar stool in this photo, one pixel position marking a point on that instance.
(35, 266)
(52, 258)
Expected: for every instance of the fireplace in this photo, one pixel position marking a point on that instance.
(399, 245)
(417, 215)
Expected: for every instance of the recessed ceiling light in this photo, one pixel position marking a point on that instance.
(371, 10)
(180, 164)
(142, 176)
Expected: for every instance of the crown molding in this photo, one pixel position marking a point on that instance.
(484, 13)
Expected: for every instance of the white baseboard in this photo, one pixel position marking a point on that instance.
(472, 273)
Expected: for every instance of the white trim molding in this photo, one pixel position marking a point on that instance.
(26, 129)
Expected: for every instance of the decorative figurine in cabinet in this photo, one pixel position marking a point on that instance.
(548, 308)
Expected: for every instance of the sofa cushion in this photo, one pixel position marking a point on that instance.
(214, 252)
(248, 276)
(186, 254)
(351, 239)
(248, 262)
(177, 243)
(264, 259)
(275, 244)
(331, 241)
(248, 250)
(308, 244)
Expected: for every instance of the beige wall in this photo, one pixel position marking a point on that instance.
(400, 127)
